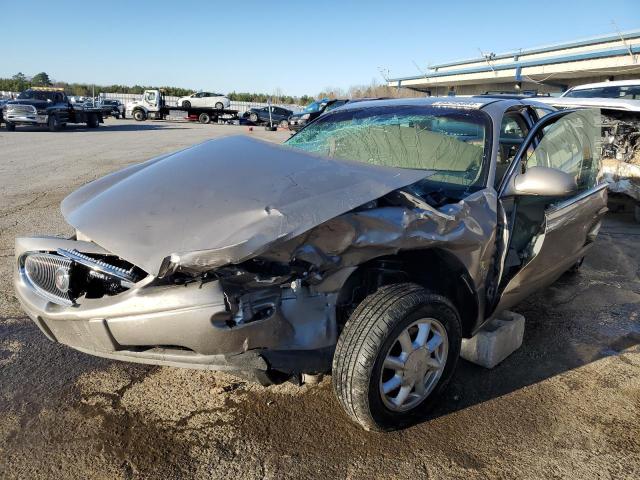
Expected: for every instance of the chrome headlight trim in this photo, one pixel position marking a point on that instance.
(40, 270)
(118, 272)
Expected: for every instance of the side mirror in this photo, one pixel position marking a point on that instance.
(542, 181)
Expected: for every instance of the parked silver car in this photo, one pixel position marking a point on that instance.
(368, 245)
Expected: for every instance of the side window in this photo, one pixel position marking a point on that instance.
(630, 93)
(587, 93)
(151, 97)
(571, 144)
(513, 130)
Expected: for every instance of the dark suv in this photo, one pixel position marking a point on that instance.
(313, 111)
(279, 116)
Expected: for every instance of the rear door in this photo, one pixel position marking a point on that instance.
(545, 236)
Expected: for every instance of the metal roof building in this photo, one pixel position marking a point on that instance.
(546, 69)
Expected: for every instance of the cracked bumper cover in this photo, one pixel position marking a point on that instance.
(177, 325)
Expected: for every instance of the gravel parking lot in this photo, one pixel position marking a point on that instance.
(566, 405)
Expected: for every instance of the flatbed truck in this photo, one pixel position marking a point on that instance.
(153, 106)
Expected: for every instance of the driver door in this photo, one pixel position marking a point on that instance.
(543, 233)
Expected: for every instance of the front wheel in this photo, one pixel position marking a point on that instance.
(53, 123)
(284, 123)
(186, 104)
(253, 117)
(139, 116)
(219, 106)
(11, 127)
(395, 355)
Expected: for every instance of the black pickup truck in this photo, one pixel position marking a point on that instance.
(47, 106)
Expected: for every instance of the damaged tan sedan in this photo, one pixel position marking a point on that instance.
(367, 246)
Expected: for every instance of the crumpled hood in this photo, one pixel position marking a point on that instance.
(227, 199)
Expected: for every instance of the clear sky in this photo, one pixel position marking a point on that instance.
(298, 46)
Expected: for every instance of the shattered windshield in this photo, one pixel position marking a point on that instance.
(451, 142)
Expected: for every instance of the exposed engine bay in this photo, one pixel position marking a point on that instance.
(621, 152)
(621, 136)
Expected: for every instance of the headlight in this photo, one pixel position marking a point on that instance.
(305, 116)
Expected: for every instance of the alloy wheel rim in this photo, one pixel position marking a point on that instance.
(414, 364)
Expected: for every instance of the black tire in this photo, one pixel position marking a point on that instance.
(284, 124)
(204, 118)
(11, 127)
(93, 121)
(269, 128)
(186, 104)
(53, 123)
(253, 117)
(139, 116)
(370, 333)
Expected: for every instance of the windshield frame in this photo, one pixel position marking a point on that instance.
(487, 151)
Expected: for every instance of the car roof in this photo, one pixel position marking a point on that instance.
(468, 103)
(512, 96)
(613, 83)
(603, 103)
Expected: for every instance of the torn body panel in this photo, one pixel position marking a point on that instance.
(188, 325)
(466, 229)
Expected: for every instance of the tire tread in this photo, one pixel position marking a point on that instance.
(364, 334)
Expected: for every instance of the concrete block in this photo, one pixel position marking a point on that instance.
(496, 341)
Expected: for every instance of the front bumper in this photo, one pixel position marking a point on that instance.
(178, 325)
(27, 119)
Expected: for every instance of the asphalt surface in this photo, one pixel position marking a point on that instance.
(566, 405)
